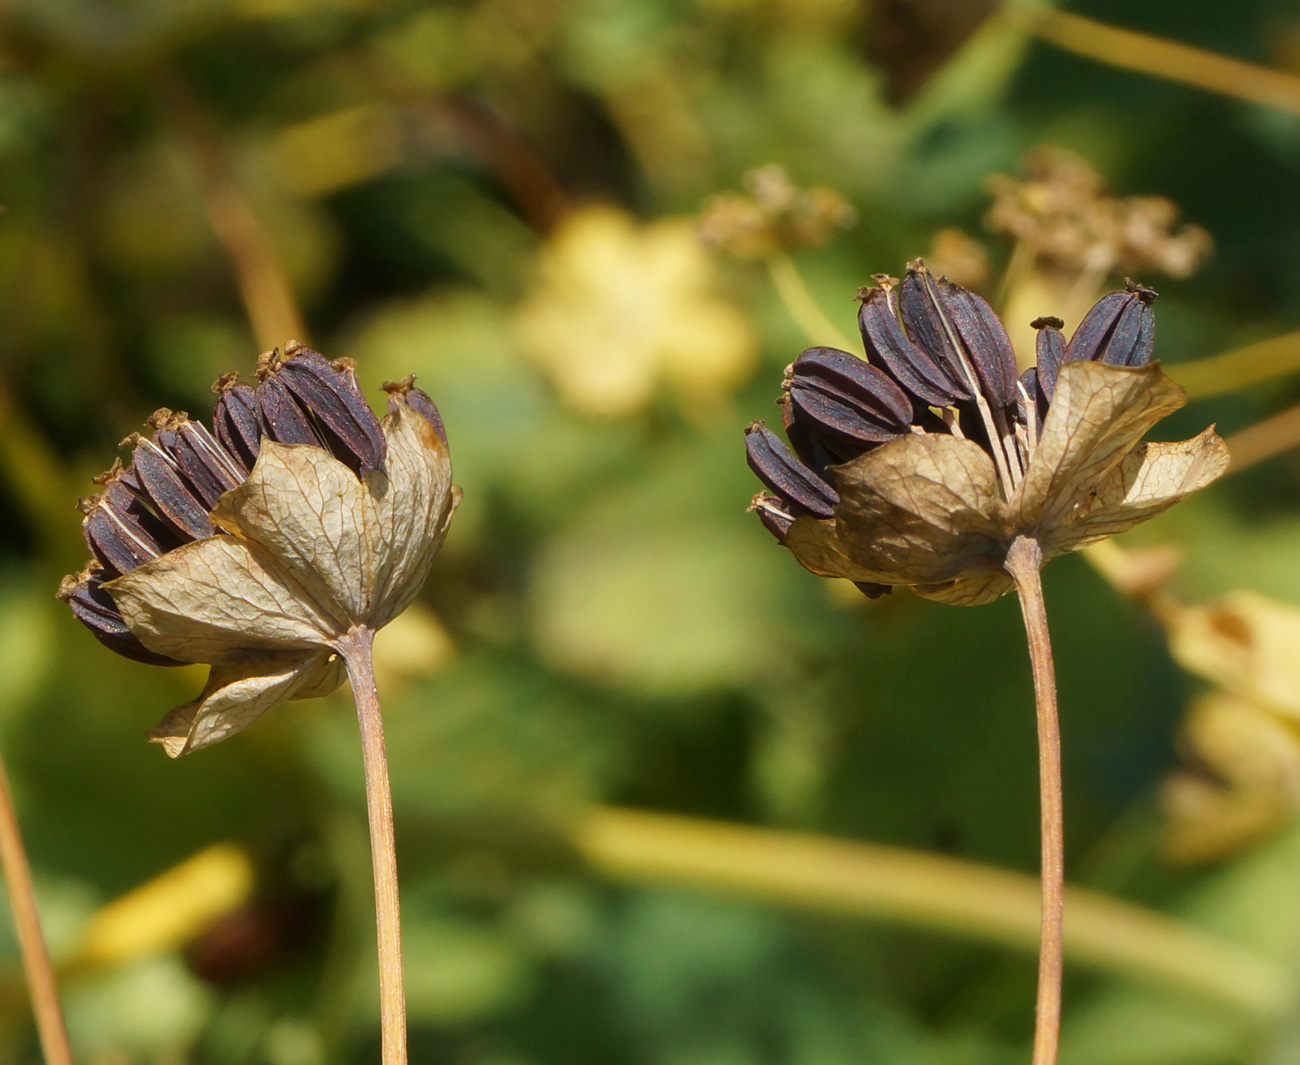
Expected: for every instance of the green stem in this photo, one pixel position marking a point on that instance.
(1024, 559)
(802, 307)
(356, 649)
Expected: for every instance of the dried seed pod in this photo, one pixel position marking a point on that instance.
(163, 489)
(891, 349)
(237, 420)
(958, 326)
(774, 519)
(202, 463)
(1119, 329)
(95, 609)
(333, 399)
(785, 475)
(122, 532)
(843, 396)
(417, 400)
(283, 419)
(1050, 343)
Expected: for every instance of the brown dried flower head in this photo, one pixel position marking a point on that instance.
(261, 546)
(1059, 210)
(921, 464)
(776, 215)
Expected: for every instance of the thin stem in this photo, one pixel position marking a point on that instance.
(356, 649)
(932, 892)
(1024, 558)
(801, 305)
(31, 943)
(1163, 58)
(1264, 440)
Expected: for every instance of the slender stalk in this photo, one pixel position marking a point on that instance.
(356, 649)
(31, 943)
(1264, 440)
(800, 303)
(930, 892)
(1024, 559)
(1163, 58)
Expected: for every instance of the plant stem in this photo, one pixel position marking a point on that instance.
(31, 943)
(800, 303)
(356, 649)
(1024, 559)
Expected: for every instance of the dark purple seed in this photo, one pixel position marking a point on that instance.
(237, 421)
(1032, 402)
(95, 609)
(418, 400)
(117, 529)
(774, 519)
(1119, 330)
(1050, 344)
(333, 399)
(204, 463)
(908, 363)
(282, 419)
(838, 419)
(785, 475)
(986, 342)
(852, 380)
(166, 492)
(872, 591)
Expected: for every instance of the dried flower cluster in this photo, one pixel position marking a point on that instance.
(1060, 211)
(775, 216)
(259, 547)
(922, 463)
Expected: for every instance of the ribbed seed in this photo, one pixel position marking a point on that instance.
(121, 532)
(418, 400)
(1118, 330)
(202, 463)
(282, 419)
(333, 399)
(237, 421)
(164, 490)
(986, 342)
(1050, 344)
(774, 519)
(890, 348)
(785, 475)
(95, 609)
(845, 397)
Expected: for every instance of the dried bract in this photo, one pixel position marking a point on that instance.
(932, 497)
(258, 549)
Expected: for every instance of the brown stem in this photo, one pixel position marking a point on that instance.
(356, 649)
(31, 943)
(1024, 559)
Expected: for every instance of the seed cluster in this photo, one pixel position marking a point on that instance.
(937, 361)
(162, 499)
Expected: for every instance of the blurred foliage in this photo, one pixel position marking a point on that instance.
(499, 195)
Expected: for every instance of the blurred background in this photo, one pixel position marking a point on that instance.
(648, 772)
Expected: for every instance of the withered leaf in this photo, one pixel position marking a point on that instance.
(924, 509)
(1098, 415)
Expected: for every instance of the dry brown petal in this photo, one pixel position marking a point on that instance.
(238, 694)
(1151, 478)
(217, 599)
(1098, 415)
(924, 509)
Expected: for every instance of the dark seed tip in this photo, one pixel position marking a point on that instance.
(885, 281)
(1048, 321)
(754, 426)
(345, 364)
(1146, 294)
(86, 504)
(134, 440)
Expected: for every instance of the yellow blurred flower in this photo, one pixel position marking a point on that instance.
(619, 308)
